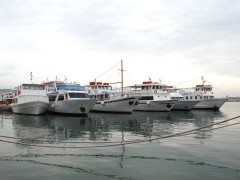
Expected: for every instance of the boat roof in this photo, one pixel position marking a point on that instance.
(147, 83)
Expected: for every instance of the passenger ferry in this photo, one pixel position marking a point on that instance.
(181, 104)
(68, 98)
(153, 97)
(30, 99)
(205, 95)
(109, 100)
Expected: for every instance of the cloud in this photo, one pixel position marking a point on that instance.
(191, 38)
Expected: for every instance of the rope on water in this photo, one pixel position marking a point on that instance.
(193, 131)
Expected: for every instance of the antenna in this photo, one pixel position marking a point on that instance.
(31, 76)
(203, 81)
(149, 78)
(65, 78)
(160, 81)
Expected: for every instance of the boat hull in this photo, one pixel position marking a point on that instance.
(210, 104)
(121, 105)
(72, 107)
(162, 106)
(31, 108)
(184, 105)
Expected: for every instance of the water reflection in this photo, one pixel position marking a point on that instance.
(112, 127)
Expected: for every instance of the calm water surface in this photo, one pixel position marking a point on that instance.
(94, 147)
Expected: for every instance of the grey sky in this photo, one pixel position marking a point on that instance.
(168, 39)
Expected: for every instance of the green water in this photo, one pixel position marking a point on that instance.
(101, 151)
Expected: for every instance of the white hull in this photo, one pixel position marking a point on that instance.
(74, 107)
(184, 105)
(211, 104)
(31, 108)
(121, 105)
(164, 106)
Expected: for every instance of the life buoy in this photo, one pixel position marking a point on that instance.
(155, 91)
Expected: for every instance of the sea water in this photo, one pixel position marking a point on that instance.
(141, 145)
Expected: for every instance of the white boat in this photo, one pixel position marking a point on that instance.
(30, 99)
(110, 100)
(153, 97)
(205, 95)
(181, 104)
(68, 98)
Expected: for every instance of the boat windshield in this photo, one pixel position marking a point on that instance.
(78, 95)
(70, 87)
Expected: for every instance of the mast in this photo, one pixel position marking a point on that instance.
(122, 77)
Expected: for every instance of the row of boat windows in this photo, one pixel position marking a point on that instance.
(200, 97)
(203, 89)
(33, 87)
(102, 87)
(66, 87)
(151, 87)
(71, 95)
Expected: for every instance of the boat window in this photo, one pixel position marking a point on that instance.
(146, 98)
(31, 86)
(200, 97)
(78, 95)
(157, 87)
(25, 86)
(60, 98)
(190, 97)
(195, 97)
(74, 87)
(153, 87)
(186, 97)
(52, 98)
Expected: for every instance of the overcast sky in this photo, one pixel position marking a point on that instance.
(175, 41)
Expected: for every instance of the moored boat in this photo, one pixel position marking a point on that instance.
(205, 95)
(153, 97)
(68, 98)
(109, 100)
(6, 100)
(30, 99)
(181, 103)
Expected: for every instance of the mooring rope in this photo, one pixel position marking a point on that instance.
(193, 131)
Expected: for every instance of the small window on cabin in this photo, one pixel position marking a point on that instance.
(25, 86)
(78, 95)
(154, 87)
(195, 97)
(186, 97)
(200, 97)
(31, 86)
(190, 97)
(52, 98)
(60, 98)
